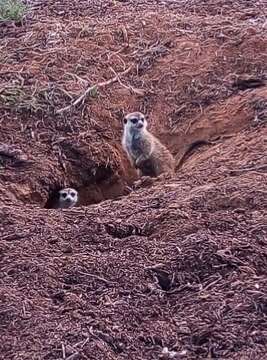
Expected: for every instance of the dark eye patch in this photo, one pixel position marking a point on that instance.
(64, 195)
(72, 194)
(134, 121)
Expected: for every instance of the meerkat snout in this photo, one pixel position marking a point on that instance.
(67, 198)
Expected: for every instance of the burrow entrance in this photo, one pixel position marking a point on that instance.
(104, 185)
(94, 181)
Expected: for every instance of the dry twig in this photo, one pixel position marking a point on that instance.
(83, 96)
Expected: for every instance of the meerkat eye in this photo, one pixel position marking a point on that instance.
(134, 121)
(72, 194)
(64, 195)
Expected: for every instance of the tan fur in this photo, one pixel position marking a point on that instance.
(144, 150)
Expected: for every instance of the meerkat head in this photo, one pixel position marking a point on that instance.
(135, 121)
(67, 198)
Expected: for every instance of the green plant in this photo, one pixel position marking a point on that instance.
(94, 92)
(12, 10)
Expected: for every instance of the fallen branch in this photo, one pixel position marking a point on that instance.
(254, 168)
(97, 277)
(93, 88)
(129, 87)
(73, 356)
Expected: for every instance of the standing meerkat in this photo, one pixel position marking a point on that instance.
(145, 152)
(67, 198)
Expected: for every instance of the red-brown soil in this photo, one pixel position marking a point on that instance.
(179, 263)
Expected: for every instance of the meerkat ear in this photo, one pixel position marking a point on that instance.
(124, 120)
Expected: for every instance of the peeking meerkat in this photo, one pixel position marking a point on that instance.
(67, 198)
(145, 152)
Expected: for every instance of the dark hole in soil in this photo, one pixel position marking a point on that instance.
(92, 187)
(200, 338)
(121, 231)
(58, 297)
(53, 197)
(244, 84)
(164, 279)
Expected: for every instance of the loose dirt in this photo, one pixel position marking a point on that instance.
(178, 263)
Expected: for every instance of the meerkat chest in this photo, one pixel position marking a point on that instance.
(135, 145)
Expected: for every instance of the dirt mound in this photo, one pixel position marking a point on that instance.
(170, 269)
